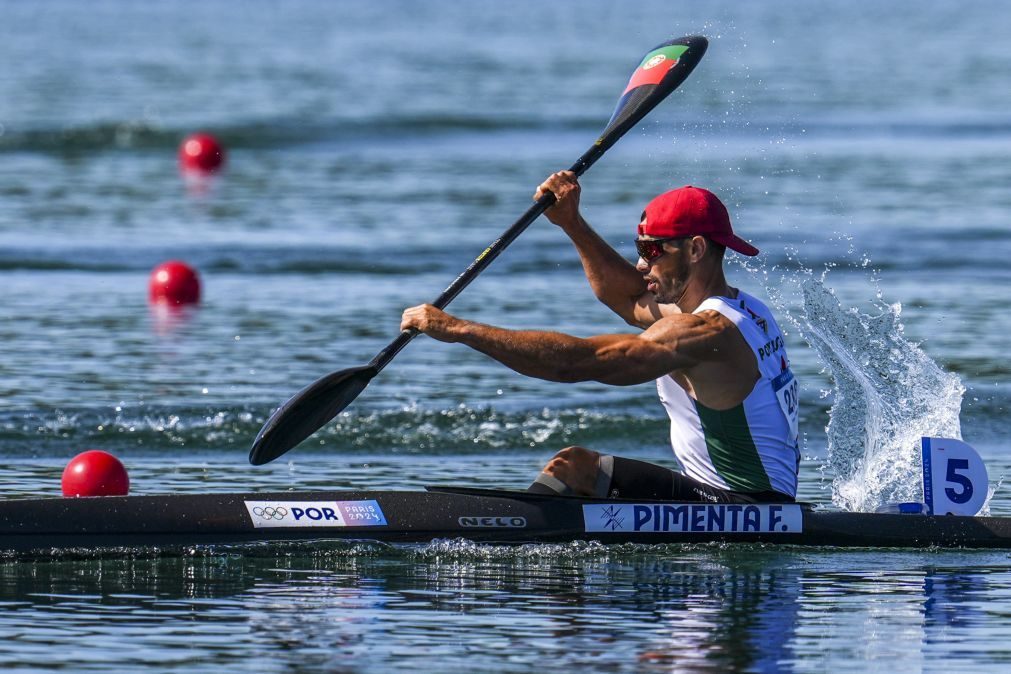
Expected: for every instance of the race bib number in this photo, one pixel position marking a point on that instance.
(788, 393)
(955, 480)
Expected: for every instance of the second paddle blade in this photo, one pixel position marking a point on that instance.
(307, 411)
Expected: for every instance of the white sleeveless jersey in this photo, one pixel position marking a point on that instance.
(753, 447)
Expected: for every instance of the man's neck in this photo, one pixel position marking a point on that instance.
(708, 283)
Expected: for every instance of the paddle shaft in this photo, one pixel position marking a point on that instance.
(660, 72)
(491, 252)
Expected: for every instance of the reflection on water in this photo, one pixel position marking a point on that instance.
(457, 606)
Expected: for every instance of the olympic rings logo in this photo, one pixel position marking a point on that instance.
(270, 513)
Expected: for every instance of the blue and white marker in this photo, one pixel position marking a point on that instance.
(955, 481)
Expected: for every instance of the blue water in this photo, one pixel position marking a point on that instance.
(373, 152)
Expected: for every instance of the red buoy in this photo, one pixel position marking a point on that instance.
(95, 473)
(174, 283)
(201, 152)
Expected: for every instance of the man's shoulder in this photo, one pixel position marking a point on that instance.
(706, 324)
(738, 300)
(751, 304)
(743, 308)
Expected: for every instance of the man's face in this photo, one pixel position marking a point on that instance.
(666, 275)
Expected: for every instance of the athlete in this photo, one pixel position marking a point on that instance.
(716, 353)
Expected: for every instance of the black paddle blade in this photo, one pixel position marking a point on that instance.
(660, 72)
(307, 411)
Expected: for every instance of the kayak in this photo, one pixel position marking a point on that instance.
(483, 515)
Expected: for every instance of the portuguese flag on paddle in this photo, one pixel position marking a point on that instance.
(655, 65)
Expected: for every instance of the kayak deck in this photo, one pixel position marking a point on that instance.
(492, 516)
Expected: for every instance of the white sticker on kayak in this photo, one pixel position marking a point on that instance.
(734, 518)
(266, 514)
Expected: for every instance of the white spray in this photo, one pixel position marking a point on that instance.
(887, 393)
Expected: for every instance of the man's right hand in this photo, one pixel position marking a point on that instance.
(565, 186)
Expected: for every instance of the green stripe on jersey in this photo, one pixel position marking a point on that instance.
(732, 449)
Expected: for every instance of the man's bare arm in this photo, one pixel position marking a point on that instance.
(614, 280)
(676, 343)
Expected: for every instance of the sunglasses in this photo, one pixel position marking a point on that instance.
(651, 250)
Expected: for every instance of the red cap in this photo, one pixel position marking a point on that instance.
(688, 211)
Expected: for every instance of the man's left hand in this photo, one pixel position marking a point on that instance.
(433, 322)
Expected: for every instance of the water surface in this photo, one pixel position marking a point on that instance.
(373, 152)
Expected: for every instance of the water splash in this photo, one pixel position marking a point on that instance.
(885, 385)
(887, 392)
